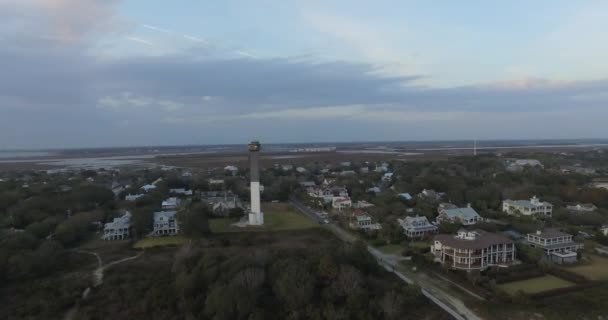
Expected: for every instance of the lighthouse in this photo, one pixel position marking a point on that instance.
(256, 217)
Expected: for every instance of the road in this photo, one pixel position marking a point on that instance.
(445, 300)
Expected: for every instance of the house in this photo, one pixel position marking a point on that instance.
(604, 230)
(364, 170)
(362, 204)
(416, 227)
(341, 203)
(466, 216)
(532, 207)
(213, 182)
(473, 250)
(405, 196)
(171, 203)
(387, 177)
(187, 174)
(301, 169)
(119, 228)
(222, 207)
(430, 195)
(165, 223)
(347, 173)
(345, 164)
(308, 184)
(133, 197)
(582, 207)
(287, 167)
(181, 191)
(362, 220)
(374, 190)
(559, 247)
(148, 187)
(381, 168)
(520, 164)
(233, 170)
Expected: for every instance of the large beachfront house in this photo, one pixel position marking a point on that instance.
(532, 207)
(473, 250)
(416, 227)
(558, 246)
(165, 223)
(466, 216)
(118, 229)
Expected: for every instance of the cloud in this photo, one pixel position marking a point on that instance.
(139, 40)
(55, 85)
(70, 21)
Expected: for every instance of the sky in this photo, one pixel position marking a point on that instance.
(100, 73)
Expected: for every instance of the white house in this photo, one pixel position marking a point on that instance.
(165, 223)
(416, 227)
(519, 164)
(362, 220)
(604, 230)
(532, 207)
(301, 169)
(133, 197)
(216, 181)
(287, 167)
(119, 228)
(231, 169)
(582, 207)
(341, 203)
(404, 196)
(181, 191)
(559, 247)
(362, 204)
(466, 216)
(374, 190)
(148, 187)
(171, 203)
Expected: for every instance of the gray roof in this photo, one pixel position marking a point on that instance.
(165, 215)
(527, 203)
(462, 213)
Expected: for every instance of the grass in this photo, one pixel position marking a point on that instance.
(535, 285)
(597, 269)
(277, 216)
(394, 249)
(159, 241)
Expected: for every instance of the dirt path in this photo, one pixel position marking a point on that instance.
(97, 278)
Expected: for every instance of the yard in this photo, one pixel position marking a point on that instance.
(159, 241)
(277, 216)
(394, 249)
(535, 285)
(596, 269)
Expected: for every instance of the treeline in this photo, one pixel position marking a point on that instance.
(341, 282)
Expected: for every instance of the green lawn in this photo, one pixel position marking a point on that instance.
(535, 285)
(277, 216)
(159, 241)
(597, 269)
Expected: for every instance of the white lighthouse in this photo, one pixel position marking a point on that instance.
(256, 217)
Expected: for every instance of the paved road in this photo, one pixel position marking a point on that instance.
(448, 302)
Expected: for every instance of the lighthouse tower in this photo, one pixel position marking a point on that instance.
(256, 217)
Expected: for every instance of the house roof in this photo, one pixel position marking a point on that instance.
(550, 233)
(166, 215)
(482, 240)
(462, 213)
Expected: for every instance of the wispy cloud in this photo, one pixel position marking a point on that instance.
(139, 40)
(246, 54)
(147, 26)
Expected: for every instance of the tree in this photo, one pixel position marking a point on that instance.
(76, 228)
(143, 220)
(294, 284)
(194, 221)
